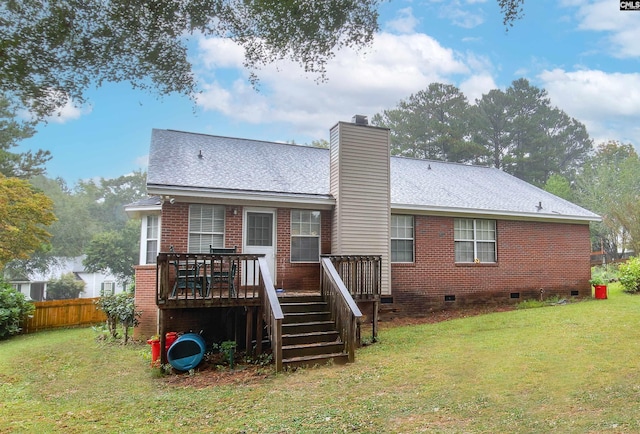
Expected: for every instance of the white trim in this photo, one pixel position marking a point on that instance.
(496, 214)
(274, 235)
(238, 197)
(143, 237)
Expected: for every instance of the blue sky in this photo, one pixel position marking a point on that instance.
(586, 55)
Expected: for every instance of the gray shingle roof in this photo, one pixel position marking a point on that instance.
(231, 164)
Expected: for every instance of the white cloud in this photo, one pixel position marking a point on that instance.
(607, 103)
(142, 161)
(405, 22)
(621, 27)
(476, 86)
(394, 67)
(462, 15)
(220, 53)
(70, 111)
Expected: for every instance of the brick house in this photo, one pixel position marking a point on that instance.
(444, 234)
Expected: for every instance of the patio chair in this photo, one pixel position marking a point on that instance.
(187, 277)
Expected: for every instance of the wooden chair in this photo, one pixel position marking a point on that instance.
(187, 277)
(222, 278)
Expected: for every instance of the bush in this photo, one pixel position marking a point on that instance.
(629, 275)
(120, 309)
(64, 288)
(14, 309)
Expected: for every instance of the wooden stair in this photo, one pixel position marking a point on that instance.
(309, 336)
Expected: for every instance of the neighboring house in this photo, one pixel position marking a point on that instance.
(34, 286)
(446, 234)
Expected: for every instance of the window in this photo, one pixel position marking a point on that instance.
(151, 238)
(206, 227)
(108, 288)
(305, 236)
(475, 240)
(401, 238)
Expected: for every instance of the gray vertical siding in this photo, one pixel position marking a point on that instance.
(360, 183)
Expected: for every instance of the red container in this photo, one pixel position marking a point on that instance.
(155, 350)
(169, 339)
(600, 291)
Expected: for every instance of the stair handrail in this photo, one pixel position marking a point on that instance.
(272, 312)
(343, 308)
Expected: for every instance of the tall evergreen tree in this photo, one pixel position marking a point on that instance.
(430, 124)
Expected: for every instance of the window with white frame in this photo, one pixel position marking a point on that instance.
(206, 227)
(305, 236)
(151, 234)
(475, 240)
(108, 288)
(402, 241)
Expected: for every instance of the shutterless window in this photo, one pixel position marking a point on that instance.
(206, 227)
(402, 238)
(305, 236)
(475, 239)
(152, 239)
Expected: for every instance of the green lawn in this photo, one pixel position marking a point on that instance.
(569, 369)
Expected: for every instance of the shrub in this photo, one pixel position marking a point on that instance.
(14, 309)
(120, 309)
(67, 286)
(629, 275)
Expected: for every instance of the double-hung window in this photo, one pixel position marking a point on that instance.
(402, 238)
(149, 239)
(305, 236)
(475, 240)
(206, 227)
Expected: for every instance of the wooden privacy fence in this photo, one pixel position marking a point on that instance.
(64, 313)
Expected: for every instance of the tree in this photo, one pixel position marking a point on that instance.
(115, 252)
(52, 52)
(66, 287)
(23, 215)
(527, 137)
(560, 186)
(21, 165)
(105, 199)
(609, 185)
(431, 124)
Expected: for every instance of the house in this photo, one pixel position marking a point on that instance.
(34, 286)
(421, 235)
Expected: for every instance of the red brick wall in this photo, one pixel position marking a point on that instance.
(299, 276)
(532, 256)
(146, 301)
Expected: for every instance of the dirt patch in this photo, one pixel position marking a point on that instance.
(206, 375)
(444, 315)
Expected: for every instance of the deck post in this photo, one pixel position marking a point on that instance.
(163, 334)
(259, 328)
(249, 331)
(374, 326)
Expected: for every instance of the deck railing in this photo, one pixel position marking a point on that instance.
(190, 279)
(272, 312)
(361, 274)
(343, 308)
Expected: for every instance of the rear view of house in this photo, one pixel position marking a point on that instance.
(229, 216)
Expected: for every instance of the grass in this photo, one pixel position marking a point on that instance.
(567, 368)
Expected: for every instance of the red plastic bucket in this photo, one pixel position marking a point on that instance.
(600, 291)
(155, 350)
(169, 339)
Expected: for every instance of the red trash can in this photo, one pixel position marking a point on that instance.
(600, 291)
(155, 350)
(169, 339)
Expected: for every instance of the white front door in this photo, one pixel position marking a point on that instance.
(259, 238)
